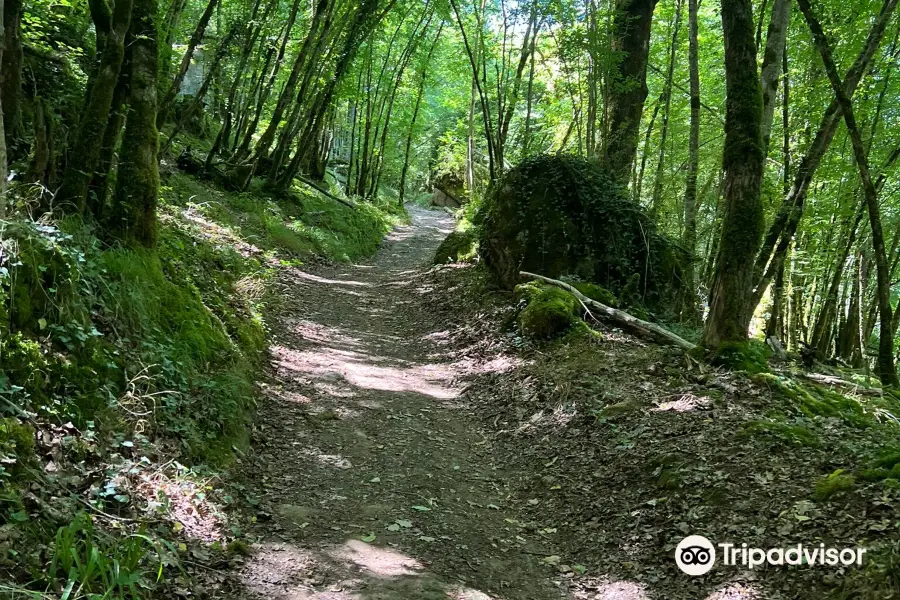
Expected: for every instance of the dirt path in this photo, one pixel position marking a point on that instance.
(375, 480)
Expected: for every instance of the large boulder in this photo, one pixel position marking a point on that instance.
(560, 215)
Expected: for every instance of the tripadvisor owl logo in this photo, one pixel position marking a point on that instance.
(695, 555)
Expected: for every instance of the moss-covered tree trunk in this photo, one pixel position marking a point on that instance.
(11, 74)
(631, 38)
(743, 158)
(112, 25)
(3, 166)
(133, 218)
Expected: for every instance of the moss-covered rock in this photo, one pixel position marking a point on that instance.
(563, 215)
(459, 246)
(597, 292)
(549, 312)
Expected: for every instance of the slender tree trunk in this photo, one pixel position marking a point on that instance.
(85, 150)
(166, 104)
(772, 63)
(4, 169)
(412, 125)
(133, 218)
(743, 158)
(631, 39)
(11, 74)
(99, 186)
(322, 11)
(664, 129)
(886, 370)
(689, 238)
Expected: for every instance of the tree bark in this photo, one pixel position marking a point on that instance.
(3, 160)
(886, 370)
(631, 38)
(11, 74)
(133, 218)
(742, 160)
(85, 150)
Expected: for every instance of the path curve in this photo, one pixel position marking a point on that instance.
(376, 481)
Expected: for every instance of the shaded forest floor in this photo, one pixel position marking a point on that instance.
(407, 447)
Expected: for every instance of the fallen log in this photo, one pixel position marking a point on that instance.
(638, 326)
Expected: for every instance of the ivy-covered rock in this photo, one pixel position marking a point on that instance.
(459, 246)
(559, 215)
(548, 312)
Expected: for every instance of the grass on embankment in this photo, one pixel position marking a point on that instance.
(122, 368)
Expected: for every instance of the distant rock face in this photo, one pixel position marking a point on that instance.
(563, 215)
(448, 191)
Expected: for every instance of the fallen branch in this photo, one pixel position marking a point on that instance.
(651, 330)
(324, 192)
(841, 383)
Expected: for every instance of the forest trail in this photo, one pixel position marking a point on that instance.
(361, 434)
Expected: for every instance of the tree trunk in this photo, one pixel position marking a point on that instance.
(886, 370)
(166, 104)
(772, 63)
(664, 128)
(631, 38)
(133, 217)
(85, 150)
(742, 160)
(412, 125)
(11, 74)
(689, 237)
(3, 161)
(322, 10)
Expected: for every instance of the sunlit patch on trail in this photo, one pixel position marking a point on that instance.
(682, 403)
(316, 279)
(377, 560)
(736, 591)
(357, 369)
(327, 460)
(603, 589)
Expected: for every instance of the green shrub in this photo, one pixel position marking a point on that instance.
(832, 484)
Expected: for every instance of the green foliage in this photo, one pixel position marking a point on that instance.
(89, 563)
(751, 356)
(548, 312)
(832, 484)
(563, 215)
(796, 433)
(16, 449)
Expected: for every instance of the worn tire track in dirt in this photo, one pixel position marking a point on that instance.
(362, 433)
